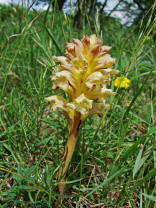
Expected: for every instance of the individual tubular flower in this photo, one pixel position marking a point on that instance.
(83, 74)
(81, 104)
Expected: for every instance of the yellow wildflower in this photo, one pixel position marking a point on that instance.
(122, 82)
(83, 73)
(128, 104)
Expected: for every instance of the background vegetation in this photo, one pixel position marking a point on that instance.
(115, 162)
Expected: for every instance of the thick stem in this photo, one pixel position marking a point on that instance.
(69, 150)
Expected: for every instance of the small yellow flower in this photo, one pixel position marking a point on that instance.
(128, 104)
(122, 82)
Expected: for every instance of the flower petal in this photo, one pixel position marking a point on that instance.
(105, 49)
(93, 40)
(96, 49)
(78, 43)
(86, 41)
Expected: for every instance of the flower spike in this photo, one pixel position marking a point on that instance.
(83, 73)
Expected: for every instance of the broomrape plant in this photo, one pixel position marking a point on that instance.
(83, 73)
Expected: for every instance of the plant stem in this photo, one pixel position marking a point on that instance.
(69, 150)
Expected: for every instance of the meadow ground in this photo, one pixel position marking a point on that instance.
(114, 164)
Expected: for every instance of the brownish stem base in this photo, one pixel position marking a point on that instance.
(70, 147)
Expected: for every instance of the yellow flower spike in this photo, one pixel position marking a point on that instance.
(122, 82)
(83, 73)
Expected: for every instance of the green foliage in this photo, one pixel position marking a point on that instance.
(115, 164)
